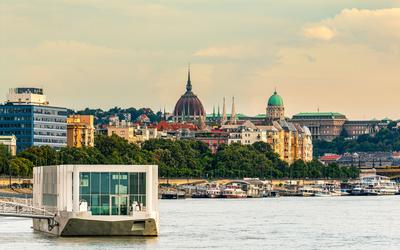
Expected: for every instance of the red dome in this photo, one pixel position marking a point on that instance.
(189, 105)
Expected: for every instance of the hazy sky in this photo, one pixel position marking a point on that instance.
(335, 55)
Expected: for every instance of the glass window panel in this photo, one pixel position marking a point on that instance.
(123, 205)
(96, 210)
(105, 183)
(105, 204)
(84, 183)
(114, 183)
(142, 199)
(95, 183)
(95, 200)
(114, 205)
(133, 183)
(123, 183)
(142, 183)
(105, 200)
(105, 210)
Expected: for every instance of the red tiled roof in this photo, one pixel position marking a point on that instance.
(396, 154)
(167, 126)
(331, 157)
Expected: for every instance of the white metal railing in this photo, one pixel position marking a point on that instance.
(22, 210)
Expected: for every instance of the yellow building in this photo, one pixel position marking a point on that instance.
(80, 131)
(290, 140)
(132, 134)
(126, 132)
(10, 141)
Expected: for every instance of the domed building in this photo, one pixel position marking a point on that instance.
(275, 108)
(189, 107)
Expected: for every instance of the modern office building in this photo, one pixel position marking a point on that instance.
(80, 131)
(27, 115)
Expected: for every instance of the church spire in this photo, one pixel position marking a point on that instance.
(214, 112)
(233, 113)
(223, 120)
(189, 83)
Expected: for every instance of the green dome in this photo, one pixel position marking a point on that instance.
(275, 100)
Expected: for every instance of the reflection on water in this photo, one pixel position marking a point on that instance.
(110, 242)
(282, 223)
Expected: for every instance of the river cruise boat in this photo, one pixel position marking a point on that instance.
(97, 200)
(319, 190)
(232, 192)
(214, 192)
(382, 185)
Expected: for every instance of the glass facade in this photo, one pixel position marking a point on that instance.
(34, 125)
(112, 193)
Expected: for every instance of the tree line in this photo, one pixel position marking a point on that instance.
(102, 116)
(385, 140)
(176, 159)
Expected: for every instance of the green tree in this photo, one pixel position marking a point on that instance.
(5, 157)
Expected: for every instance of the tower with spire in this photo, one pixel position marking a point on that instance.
(233, 113)
(223, 119)
(189, 82)
(213, 115)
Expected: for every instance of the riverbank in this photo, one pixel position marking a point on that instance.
(371, 185)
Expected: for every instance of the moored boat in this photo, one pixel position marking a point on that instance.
(233, 193)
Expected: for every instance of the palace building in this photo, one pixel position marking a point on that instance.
(289, 140)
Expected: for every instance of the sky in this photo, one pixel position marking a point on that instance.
(340, 56)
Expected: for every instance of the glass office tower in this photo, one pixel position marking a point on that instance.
(34, 125)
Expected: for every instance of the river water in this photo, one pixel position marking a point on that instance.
(270, 223)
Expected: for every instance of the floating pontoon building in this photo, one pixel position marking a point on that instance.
(92, 200)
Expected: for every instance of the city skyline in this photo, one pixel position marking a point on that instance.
(103, 54)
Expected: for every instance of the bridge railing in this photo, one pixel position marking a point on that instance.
(22, 210)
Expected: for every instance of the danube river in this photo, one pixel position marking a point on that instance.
(274, 223)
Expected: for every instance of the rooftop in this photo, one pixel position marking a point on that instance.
(319, 115)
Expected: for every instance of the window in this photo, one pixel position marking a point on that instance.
(98, 188)
(95, 183)
(105, 183)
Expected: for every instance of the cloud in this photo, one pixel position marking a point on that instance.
(319, 32)
(357, 63)
(379, 29)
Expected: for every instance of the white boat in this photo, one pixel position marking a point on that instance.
(232, 192)
(319, 190)
(97, 200)
(214, 193)
(307, 191)
(381, 185)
